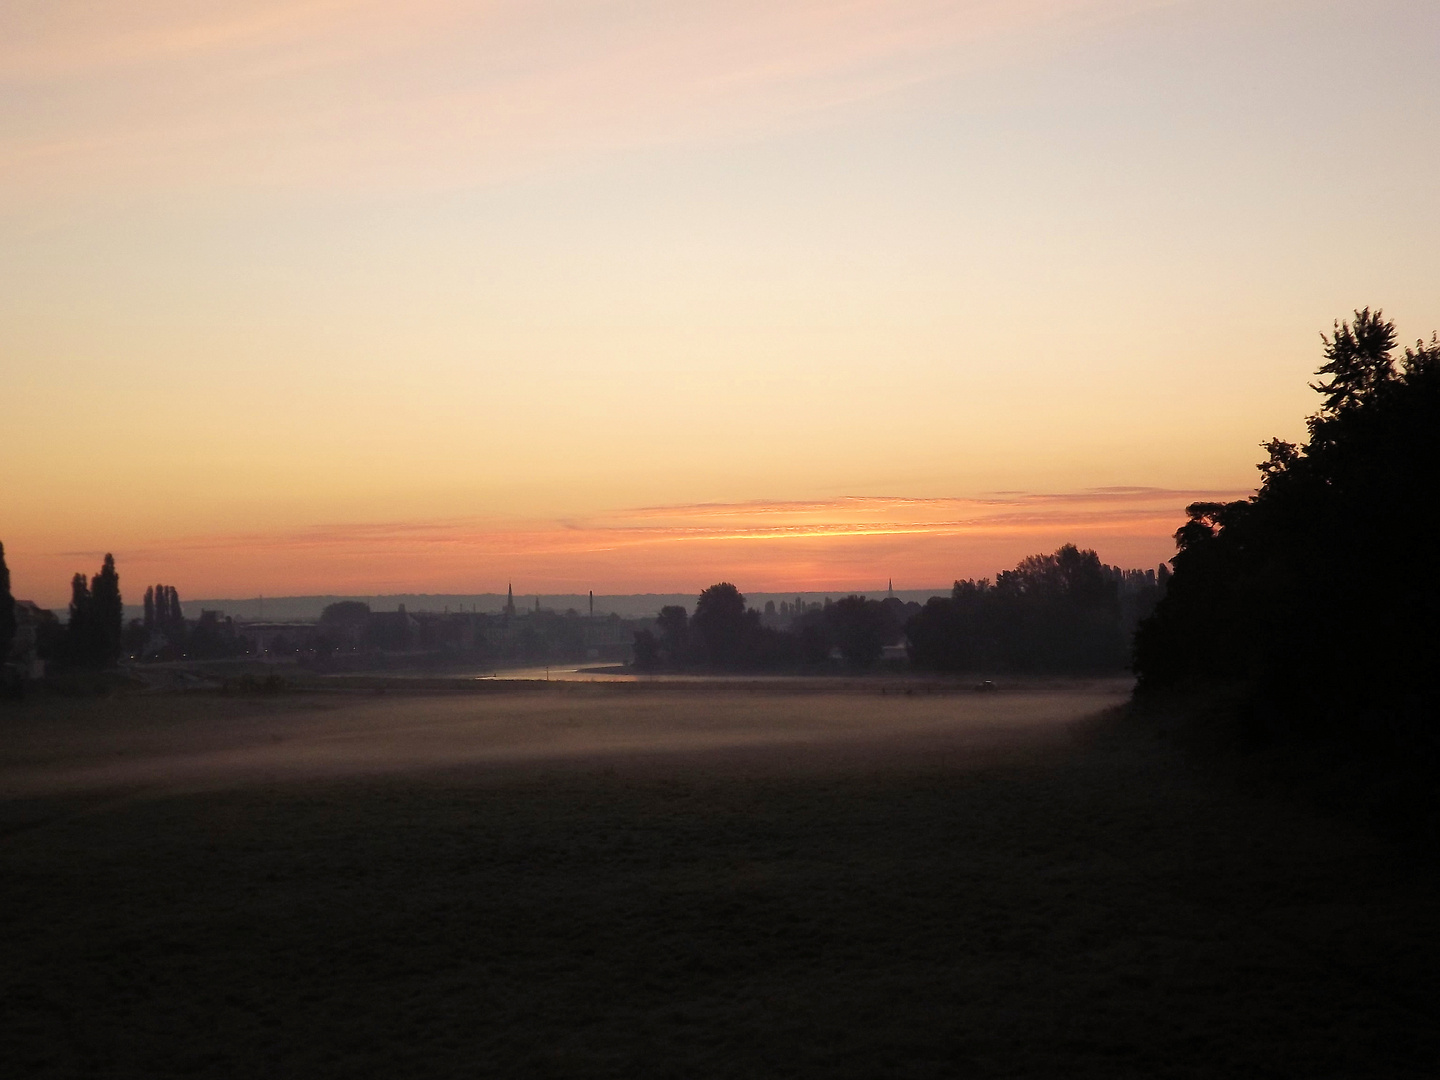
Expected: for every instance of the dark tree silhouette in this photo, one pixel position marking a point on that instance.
(1060, 612)
(214, 637)
(1319, 594)
(149, 608)
(95, 631)
(107, 614)
(1063, 612)
(674, 626)
(647, 650)
(814, 636)
(175, 624)
(1358, 360)
(723, 626)
(7, 610)
(78, 632)
(859, 629)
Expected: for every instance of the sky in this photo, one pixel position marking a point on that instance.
(344, 296)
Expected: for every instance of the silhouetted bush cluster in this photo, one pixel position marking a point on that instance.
(1319, 594)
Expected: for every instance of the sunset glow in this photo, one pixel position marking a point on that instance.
(348, 297)
(840, 544)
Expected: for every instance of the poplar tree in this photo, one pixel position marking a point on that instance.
(77, 628)
(177, 617)
(107, 613)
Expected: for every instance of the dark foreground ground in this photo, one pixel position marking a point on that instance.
(683, 881)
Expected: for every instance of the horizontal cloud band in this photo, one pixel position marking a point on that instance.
(773, 545)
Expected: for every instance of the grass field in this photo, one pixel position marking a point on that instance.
(683, 880)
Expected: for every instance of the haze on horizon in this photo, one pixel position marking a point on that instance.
(335, 297)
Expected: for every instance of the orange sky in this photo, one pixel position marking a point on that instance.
(344, 296)
(833, 544)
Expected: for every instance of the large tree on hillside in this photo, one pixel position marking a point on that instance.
(1320, 593)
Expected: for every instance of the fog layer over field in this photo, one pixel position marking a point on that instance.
(182, 742)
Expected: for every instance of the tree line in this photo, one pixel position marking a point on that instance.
(163, 613)
(724, 634)
(96, 635)
(1064, 612)
(92, 636)
(1317, 596)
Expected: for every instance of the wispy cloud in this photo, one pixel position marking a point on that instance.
(438, 92)
(1113, 507)
(1104, 509)
(878, 505)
